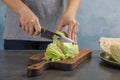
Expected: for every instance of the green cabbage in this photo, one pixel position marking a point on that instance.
(112, 47)
(115, 52)
(59, 50)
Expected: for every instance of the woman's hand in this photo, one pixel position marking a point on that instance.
(29, 22)
(73, 26)
(69, 20)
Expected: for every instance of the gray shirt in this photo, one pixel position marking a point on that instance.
(48, 12)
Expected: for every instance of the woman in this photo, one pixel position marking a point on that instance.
(24, 19)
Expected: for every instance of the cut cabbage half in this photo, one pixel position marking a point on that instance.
(105, 43)
(111, 46)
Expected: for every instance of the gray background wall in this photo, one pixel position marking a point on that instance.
(97, 18)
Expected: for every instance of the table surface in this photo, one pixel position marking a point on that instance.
(13, 66)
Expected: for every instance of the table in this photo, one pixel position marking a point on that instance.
(13, 66)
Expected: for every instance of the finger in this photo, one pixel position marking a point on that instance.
(23, 22)
(27, 29)
(73, 35)
(37, 28)
(70, 30)
(75, 39)
(78, 26)
(22, 26)
(31, 29)
(75, 32)
(36, 32)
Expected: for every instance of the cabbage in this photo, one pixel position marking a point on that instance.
(59, 50)
(112, 47)
(115, 52)
(105, 44)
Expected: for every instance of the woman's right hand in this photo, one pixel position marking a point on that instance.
(29, 22)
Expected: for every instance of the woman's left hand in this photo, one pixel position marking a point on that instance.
(73, 26)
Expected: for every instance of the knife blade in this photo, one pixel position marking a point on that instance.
(49, 35)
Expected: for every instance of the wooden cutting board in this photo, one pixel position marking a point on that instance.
(37, 65)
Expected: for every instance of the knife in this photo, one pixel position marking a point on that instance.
(49, 35)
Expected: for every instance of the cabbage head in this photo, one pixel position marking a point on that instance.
(59, 50)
